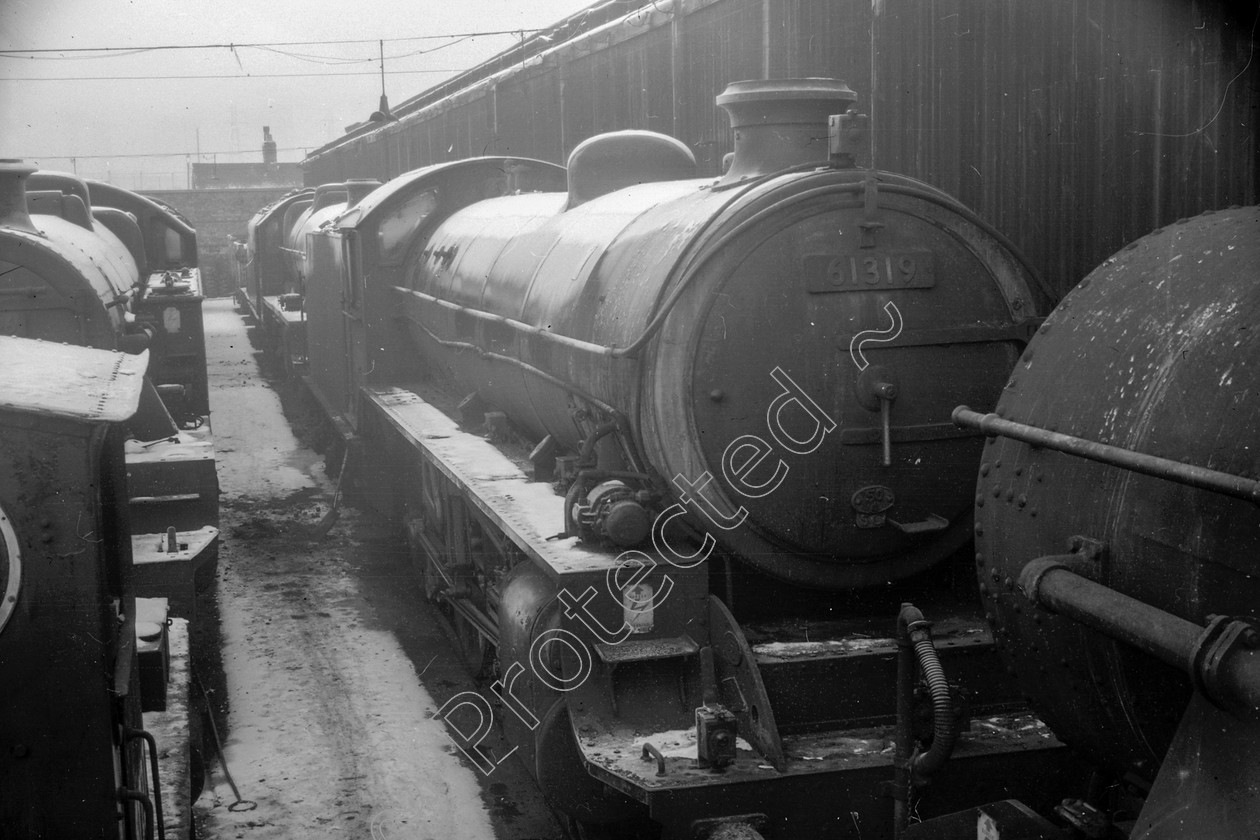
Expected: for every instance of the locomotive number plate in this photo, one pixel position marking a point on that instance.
(868, 271)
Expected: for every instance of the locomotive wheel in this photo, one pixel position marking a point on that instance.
(430, 579)
(473, 648)
(475, 653)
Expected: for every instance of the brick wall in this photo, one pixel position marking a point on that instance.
(218, 215)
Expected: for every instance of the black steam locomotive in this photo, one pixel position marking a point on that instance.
(676, 453)
(110, 504)
(72, 755)
(95, 265)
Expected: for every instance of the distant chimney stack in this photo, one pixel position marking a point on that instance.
(269, 146)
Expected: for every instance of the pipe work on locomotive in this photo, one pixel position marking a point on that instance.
(691, 465)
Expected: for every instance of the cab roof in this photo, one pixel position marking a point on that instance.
(48, 379)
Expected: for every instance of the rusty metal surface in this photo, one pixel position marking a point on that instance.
(1038, 115)
(1154, 352)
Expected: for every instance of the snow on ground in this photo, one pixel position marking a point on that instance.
(258, 455)
(330, 728)
(331, 732)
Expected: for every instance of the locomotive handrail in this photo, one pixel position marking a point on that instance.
(623, 425)
(520, 326)
(1202, 478)
(142, 734)
(128, 795)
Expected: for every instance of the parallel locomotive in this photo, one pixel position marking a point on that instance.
(711, 399)
(72, 757)
(91, 264)
(275, 264)
(269, 293)
(1118, 526)
(114, 498)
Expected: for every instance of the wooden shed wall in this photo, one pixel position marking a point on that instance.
(1074, 126)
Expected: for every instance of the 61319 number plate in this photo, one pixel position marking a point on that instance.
(869, 271)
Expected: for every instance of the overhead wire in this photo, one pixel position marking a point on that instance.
(131, 52)
(225, 76)
(157, 154)
(33, 52)
(307, 57)
(332, 59)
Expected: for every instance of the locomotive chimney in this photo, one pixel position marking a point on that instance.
(781, 122)
(357, 188)
(13, 212)
(269, 146)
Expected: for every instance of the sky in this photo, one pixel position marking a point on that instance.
(88, 112)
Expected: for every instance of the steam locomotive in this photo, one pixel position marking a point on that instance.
(95, 265)
(117, 499)
(676, 454)
(269, 292)
(275, 264)
(72, 740)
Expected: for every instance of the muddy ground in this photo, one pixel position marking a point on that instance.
(319, 656)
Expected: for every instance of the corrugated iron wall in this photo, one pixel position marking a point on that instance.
(1075, 126)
